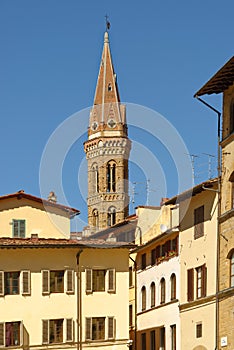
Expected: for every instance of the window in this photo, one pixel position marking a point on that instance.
(111, 216)
(95, 328)
(18, 228)
(162, 338)
(95, 178)
(173, 337)
(143, 298)
(199, 222)
(232, 270)
(198, 330)
(174, 243)
(109, 87)
(96, 280)
(10, 334)
(153, 256)
(190, 285)
(173, 286)
(163, 290)
(130, 276)
(231, 126)
(201, 281)
(231, 179)
(52, 331)
(143, 341)
(152, 294)
(95, 218)
(152, 340)
(11, 282)
(111, 176)
(53, 281)
(130, 315)
(143, 261)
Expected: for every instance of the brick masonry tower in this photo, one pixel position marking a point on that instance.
(107, 150)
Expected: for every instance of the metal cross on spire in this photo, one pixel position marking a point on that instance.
(107, 23)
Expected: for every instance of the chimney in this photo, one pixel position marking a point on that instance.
(163, 200)
(52, 197)
(34, 237)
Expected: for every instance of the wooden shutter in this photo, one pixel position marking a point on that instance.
(2, 334)
(45, 281)
(204, 280)
(1, 283)
(111, 328)
(190, 285)
(89, 278)
(69, 281)
(45, 331)
(69, 330)
(25, 283)
(111, 280)
(157, 251)
(88, 329)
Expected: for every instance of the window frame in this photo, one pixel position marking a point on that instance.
(19, 223)
(162, 291)
(152, 294)
(199, 219)
(3, 340)
(199, 330)
(173, 286)
(143, 261)
(143, 298)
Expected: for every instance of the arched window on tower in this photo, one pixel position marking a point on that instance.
(231, 179)
(95, 218)
(231, 124)
(111, 176)
(111, 216)
(95, 177)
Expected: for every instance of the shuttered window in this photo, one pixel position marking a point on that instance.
(45, 332)
(143, 261)
(70, 281)
(111, 330)
(69, 330)
(2, 335)
(88, 281)
(111, 280)
(199, 222)
(173, 286)
(152, 294)
(1, 283)
(201, 281)
(163, 290)
(190, 285)
(45, 281)
(88, 329)
(153, 256)
(143, 341)
(143, 298)
(25, 282)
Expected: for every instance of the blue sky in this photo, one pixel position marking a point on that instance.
(163, 52)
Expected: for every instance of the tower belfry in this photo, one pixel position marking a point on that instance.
(107, 150)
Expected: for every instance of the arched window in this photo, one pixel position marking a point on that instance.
(95, 218)
(231, 124)
(109, 87)
(95, 177)
(232, 269)
(173, 286)
(231, 179)
(152, 294)
(111, 216)
(111, 176)
(143, 298)
(163, 290)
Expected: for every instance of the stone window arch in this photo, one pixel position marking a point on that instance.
(152, 294)
(143, 298)
(173, 286)
(111, 216)
(231, 180)
(231, 258)
(95, 177)
(95, 218)
(111, 176)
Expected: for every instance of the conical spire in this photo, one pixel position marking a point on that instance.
(106, 89)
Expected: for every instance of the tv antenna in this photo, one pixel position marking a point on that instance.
(210, 156)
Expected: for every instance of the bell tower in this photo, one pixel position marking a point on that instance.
(107, 150)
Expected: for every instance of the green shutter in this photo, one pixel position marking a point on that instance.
(69, 330)
(88, 329)
(1, 283)
(111, 280)
(70, 281)
(45, 331)
(25, 282)
(45, 282)
(111, 328)
(2, 337)
(88, 281)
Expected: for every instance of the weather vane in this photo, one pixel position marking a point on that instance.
(107, 23)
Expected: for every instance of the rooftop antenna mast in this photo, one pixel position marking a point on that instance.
(210, 156)
(193, 156)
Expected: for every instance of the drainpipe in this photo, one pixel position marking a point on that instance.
(79, 302)
(135, 304)
(218, 228)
